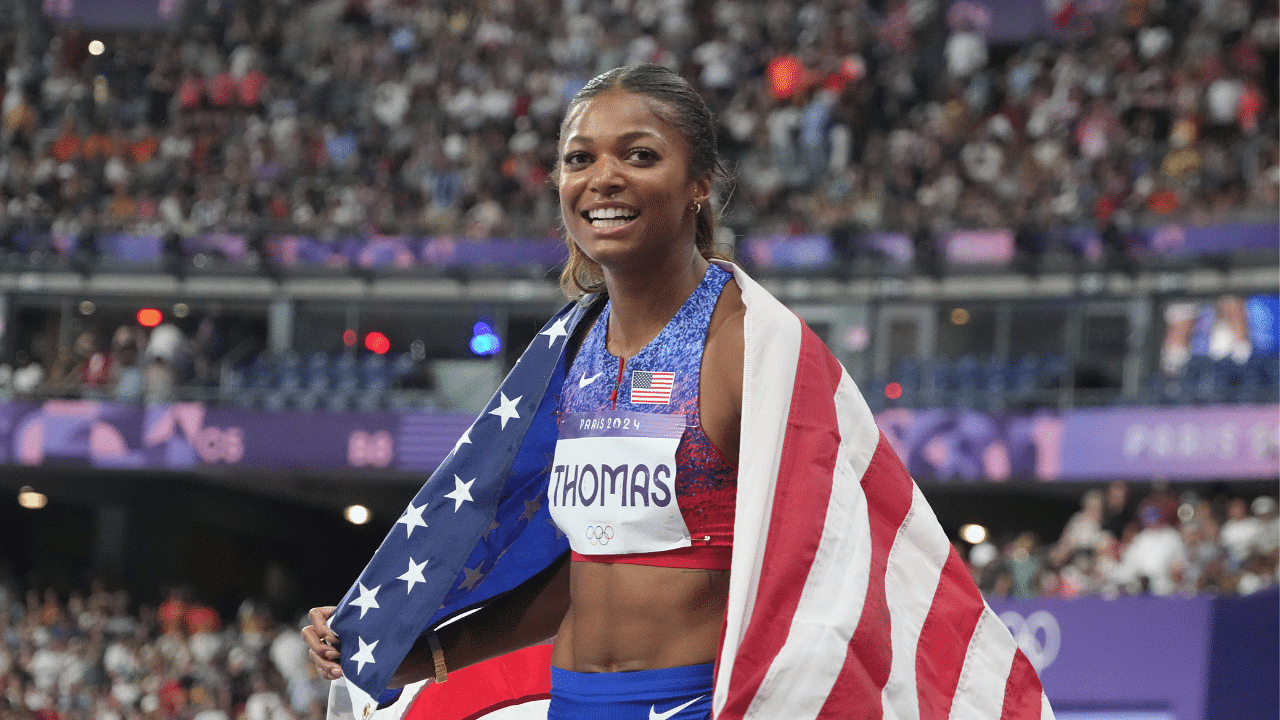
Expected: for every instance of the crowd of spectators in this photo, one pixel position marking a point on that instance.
(381, 116)
(99, 655)
(1160, 544)
(176, 359)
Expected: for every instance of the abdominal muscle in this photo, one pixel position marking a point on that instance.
(639, 617)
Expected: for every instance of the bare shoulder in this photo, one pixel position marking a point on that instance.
(722, 360)
(725, 343)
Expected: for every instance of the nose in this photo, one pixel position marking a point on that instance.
(607, 176)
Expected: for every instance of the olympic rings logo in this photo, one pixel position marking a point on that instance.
(1039, 636)
(599, 534)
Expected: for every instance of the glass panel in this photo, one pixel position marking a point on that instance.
(966, 330)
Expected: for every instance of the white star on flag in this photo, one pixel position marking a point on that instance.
(412, 518)
(461, 492)
(464, 440)
(414, 573)
(367, 599)
(365, 655)
(506, 409)
(556, 331)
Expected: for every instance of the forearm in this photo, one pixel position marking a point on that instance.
(526, 616)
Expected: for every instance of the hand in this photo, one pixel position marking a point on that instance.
(323, 643)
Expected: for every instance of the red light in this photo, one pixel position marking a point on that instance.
(785, 75)
(893, 391)
(149, 317)
(377, 342)
(349, 338)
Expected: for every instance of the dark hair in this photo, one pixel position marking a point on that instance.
(677, 104)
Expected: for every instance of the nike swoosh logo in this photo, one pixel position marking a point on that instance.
(655, 715)
(585, 381)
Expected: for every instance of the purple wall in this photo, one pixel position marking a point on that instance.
(1127, 653)
(1156, 657)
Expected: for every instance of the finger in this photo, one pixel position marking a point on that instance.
(319, 617)
(325, 668)
(318, 642)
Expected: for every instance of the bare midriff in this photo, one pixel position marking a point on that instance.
(624, 617)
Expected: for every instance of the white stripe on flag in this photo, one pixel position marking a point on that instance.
(772, 347)
(798, 682)
(987, 662)
(1046, 712)
(911, 579)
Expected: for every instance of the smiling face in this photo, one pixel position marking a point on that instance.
(626, 192)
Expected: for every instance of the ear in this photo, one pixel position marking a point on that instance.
(702, 188)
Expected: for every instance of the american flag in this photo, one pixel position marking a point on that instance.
(479, 526)
(846, 598)
(651, 388)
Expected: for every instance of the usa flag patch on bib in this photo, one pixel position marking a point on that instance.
(651, 388)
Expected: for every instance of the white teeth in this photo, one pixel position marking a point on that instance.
(612, 223)
(611, 213)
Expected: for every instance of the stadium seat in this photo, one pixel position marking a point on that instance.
(906, 372)
(318, 378)
(343, 373)
(373, 373)
(967, 381)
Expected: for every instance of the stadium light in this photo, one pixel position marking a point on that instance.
(149, 317)
(357, 514)
(973, 533)
(484, 341)
(30, 499)
(377, 342)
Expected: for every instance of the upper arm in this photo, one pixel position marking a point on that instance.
(720, 391)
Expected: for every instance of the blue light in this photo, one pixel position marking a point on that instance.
(1264, 323)
(484, 341)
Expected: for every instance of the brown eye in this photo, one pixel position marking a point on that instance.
(642, 155)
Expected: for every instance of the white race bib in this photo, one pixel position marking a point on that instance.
(613, 482)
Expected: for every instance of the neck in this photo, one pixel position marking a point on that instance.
(644, 302)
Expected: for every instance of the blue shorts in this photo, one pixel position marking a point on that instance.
(679, 693)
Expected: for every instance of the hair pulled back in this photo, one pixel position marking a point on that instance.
(677, 104)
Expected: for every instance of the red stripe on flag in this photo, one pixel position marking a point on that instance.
(473, 692)
(889, 491)
(944, 639)
(1022, 692)
(796, 519)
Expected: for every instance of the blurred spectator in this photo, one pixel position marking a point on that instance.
(1023, 563)
(1083, 534)
(93, 364)
(126, 372)
(157, 381)
(1238, 532)
(1116, 511)
(1155, 559)
(28, 375)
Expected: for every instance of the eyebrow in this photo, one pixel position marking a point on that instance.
(624, 139)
